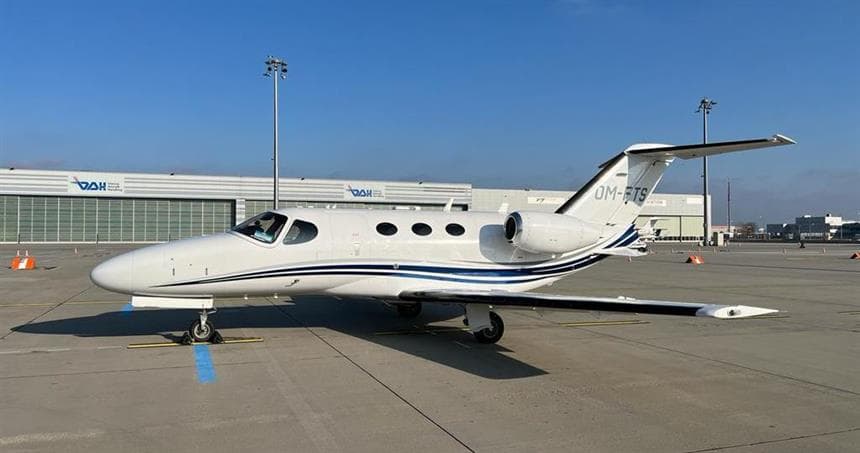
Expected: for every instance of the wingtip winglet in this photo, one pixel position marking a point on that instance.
(733, 311)
(782, 139)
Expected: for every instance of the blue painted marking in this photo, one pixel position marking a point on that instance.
(205, 368)
(127, 309)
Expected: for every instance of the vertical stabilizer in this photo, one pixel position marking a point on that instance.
(616, 195)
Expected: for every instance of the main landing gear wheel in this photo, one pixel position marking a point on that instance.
(409, 310)
(492, 334)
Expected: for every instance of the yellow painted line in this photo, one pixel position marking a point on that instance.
(96, 302)
(169, 344)
(27, 305)
(430, 330)
(47, 304)
(621, 322)
(242, 340)
(153, 345)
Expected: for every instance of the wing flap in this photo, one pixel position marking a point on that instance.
(622, 304)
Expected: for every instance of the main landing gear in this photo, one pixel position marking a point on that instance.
(202, 330)
(487, 326)
(492, 334)
(409, 310)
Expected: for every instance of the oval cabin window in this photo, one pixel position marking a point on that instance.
(421, 229)
(386, 229)
(455, 229)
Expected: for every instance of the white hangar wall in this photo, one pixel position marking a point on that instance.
(80, 206)
(678, 216)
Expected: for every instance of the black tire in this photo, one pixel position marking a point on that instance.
(201, 333)
(409, 310)
(493, 334)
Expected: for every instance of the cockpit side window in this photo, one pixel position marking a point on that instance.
(300, 232)
(263, 227)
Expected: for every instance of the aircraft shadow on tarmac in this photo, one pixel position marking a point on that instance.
(359, 318)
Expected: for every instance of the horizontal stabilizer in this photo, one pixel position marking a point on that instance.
(621, 304)
(707, 149)
(622, 251)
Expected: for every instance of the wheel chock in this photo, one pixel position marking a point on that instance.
(216, 338)
(186, 341)
(695, 259)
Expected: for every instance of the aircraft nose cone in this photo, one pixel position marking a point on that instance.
(115, 274)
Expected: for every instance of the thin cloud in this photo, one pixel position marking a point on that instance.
(589, 7)
(40, 164)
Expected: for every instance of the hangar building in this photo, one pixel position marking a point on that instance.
(677, 216)
(86, 207)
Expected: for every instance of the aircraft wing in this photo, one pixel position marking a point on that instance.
(621, 304)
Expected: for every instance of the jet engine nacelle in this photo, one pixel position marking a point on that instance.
(542, 232)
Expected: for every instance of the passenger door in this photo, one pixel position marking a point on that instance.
(349, 231)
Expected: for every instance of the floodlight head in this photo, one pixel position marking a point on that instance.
(705, 105)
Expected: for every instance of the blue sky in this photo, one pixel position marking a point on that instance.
(497, 93)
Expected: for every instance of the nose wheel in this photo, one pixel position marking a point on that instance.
(202, 330)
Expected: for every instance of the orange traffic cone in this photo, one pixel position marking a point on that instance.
(695, 259)
(26, 262)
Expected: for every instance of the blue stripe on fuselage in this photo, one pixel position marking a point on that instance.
(345, 270)
(458, 274)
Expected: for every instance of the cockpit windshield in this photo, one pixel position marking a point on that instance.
(263, 227)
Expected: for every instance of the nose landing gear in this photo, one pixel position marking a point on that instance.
(202, 330)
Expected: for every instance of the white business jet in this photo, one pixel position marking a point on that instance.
(478, 260)
(649, 231)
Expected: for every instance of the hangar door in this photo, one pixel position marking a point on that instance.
(86, 219)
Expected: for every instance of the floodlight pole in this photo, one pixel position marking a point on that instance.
(729, 205)
(276, 68)
(705, 106)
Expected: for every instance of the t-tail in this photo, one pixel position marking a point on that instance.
(615, 195)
